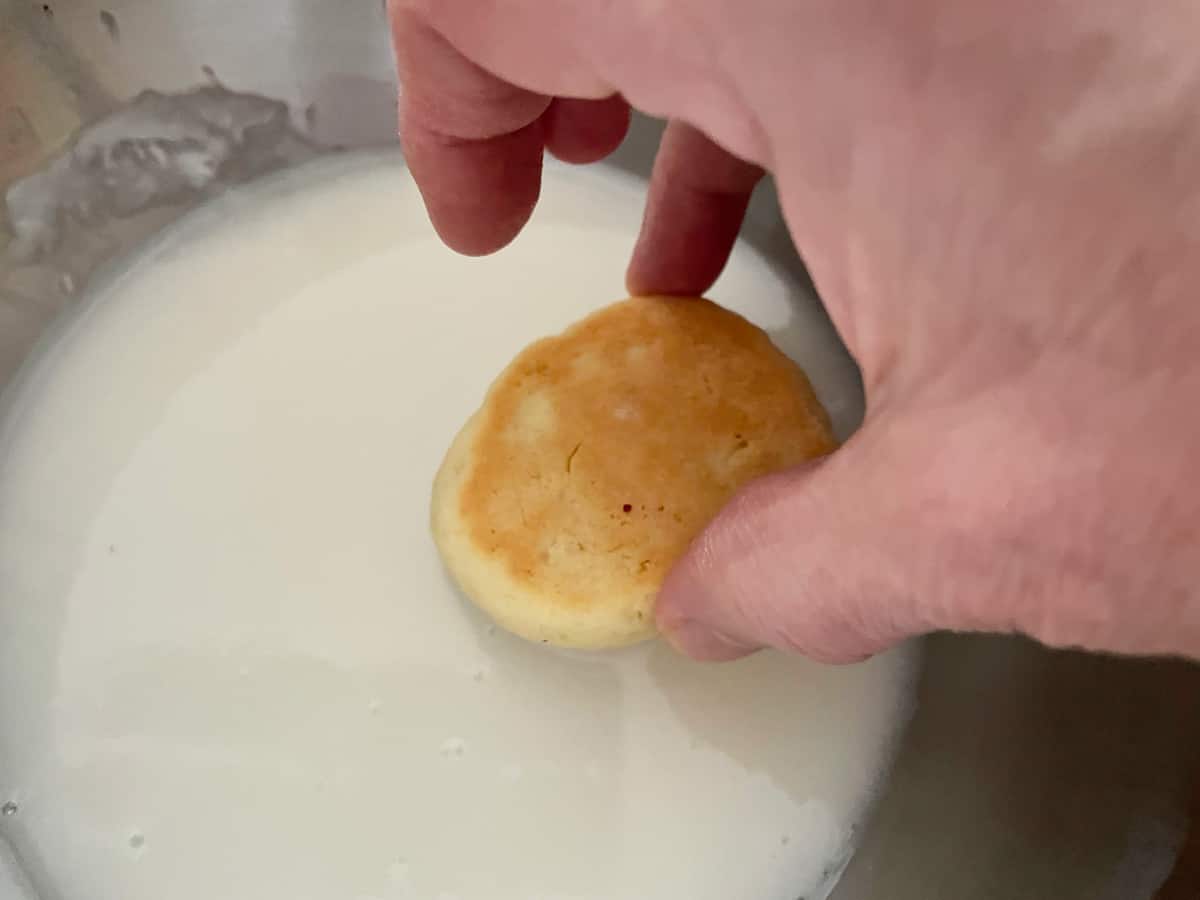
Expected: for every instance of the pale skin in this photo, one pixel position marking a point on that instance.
(1000, 206)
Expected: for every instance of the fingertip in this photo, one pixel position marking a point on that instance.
(478, 194)
(655, 270)
(702, 644)
(585, 131)
(681, 600)
(635, 285)
(694, 210)
(759, 576)
(473, 142)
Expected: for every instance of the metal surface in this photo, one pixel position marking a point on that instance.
(1026, 774)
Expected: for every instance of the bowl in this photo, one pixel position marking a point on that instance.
(1025, 772)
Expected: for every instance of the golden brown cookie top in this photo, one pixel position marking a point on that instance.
(601, 453)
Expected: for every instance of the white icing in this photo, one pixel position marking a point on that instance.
(230, 662)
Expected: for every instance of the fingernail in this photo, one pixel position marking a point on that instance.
(703, 643)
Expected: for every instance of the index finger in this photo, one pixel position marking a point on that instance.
(473, 142)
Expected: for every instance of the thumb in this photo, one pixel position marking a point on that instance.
(823, 560)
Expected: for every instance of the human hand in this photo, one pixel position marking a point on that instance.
(999, 205)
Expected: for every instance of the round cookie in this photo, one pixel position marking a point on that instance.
(599, 454)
